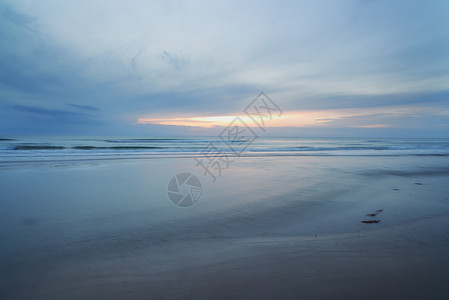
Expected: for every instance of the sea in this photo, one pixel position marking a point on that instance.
(90, 215)
(41, 149)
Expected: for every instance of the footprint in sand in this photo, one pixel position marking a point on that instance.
(371, 221)
(373, 215)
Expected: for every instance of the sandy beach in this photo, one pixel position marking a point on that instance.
(270, 228)
(224, 150)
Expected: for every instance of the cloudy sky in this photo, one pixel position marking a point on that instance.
(352, 67)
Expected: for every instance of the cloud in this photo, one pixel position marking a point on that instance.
(206, 58)
(177, 60)
(340, 101)
(16, 17)
(83, 107)
(56, 115)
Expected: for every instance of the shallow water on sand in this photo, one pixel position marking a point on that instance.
(62, 213)
(58, 205)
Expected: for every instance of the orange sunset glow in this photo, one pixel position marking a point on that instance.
(306, 118)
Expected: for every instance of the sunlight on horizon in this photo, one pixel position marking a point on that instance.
(305, 118)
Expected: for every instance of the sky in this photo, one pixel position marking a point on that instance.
(154, 68)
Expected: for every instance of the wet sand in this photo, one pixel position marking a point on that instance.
(276, 228)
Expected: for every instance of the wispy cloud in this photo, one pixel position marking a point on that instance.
(177, 60)
(56, 115)
(159, 60)
(83, 107)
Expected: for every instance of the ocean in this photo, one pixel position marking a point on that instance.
(41, 149)
(94, 218)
